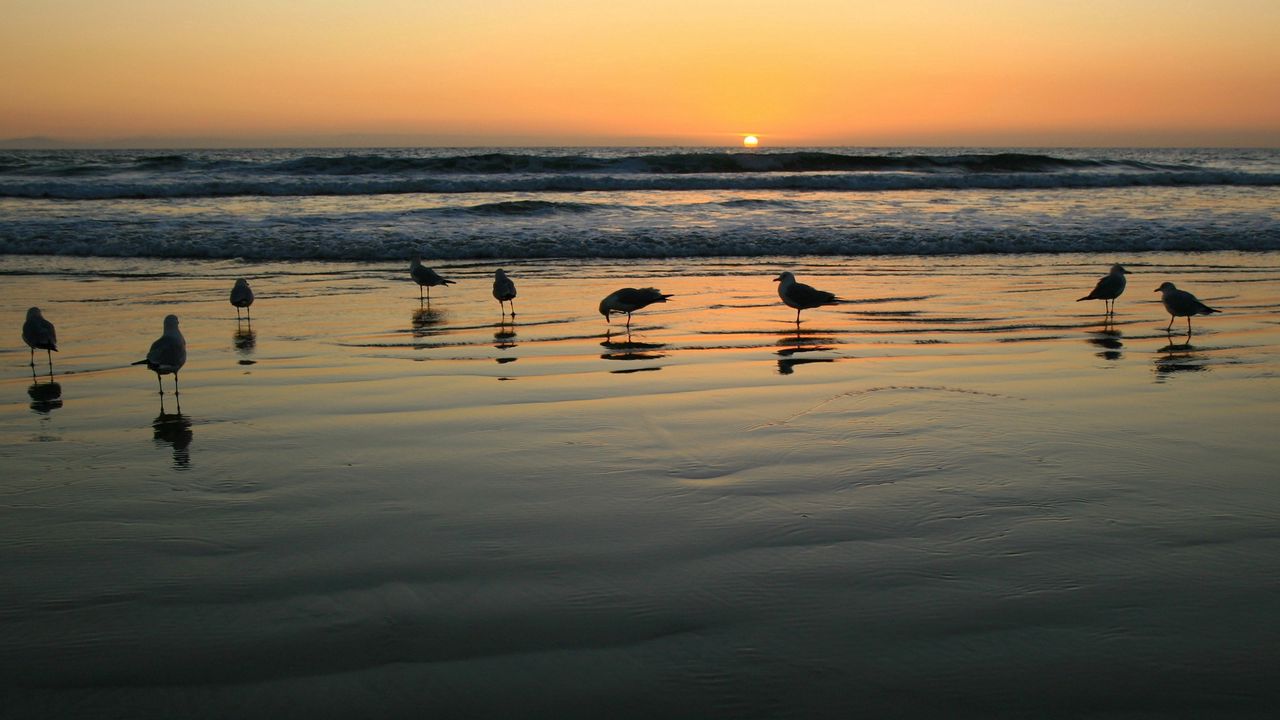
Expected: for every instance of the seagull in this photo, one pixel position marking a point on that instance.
(1180, 303)
(504, 290)
(241, 297)
(1109, 288)
(167, 354)
(425, 277)
(801, 296)
(39, 334)
(628, 300)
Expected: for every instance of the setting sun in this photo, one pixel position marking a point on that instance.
(750, 141)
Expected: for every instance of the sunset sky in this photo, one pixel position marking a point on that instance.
(585, 72)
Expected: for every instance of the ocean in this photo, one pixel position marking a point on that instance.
(958, 493)
(635, 202)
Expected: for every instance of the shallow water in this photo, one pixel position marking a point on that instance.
(960, 494)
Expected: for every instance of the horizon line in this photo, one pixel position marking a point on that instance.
(406, 141)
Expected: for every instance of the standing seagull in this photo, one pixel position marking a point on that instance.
(628, 300)
(425, 277)
(1181, 303)
(39, 334)
(801, 296)
(167, 354)
(504, 290)
(242, 297)
(1108, 289)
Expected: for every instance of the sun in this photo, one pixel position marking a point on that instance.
(750, 141)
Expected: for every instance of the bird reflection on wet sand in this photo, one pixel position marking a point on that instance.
(504, 335)
(174, 429)
(45, 396)
(629, 349)
(504, 339)
(425, 320)
(245, 340)
(1108, 339)
(793, 345)
(1179, 357)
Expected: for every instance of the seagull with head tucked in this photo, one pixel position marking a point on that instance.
(241, 296)
(504, 290)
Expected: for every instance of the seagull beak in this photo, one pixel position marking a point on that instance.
(778, 279)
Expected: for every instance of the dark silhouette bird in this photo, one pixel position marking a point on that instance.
(39, 334)
(504, 290)
(1109, 288)
(1180, 303)
(801, 296)
(425, 277)
(629, 300)
(167, 354)
(241, 297)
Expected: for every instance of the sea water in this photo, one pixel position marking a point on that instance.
(959, 494)
(634, 202)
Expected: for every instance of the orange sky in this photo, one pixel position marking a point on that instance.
(805, 72)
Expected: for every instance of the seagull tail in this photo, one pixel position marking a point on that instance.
(143, 361)
(1086, 297)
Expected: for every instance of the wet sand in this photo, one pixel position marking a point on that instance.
(959, 494)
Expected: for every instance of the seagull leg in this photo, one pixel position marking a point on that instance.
(50, 354)
(160, 385)
(628, 323)
(1171, 319)
(175, 383)
(513, 307)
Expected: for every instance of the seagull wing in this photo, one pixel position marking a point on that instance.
(808, 296)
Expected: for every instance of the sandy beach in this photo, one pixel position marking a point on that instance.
(958, 494)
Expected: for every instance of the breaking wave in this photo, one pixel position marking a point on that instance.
(116, 175)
